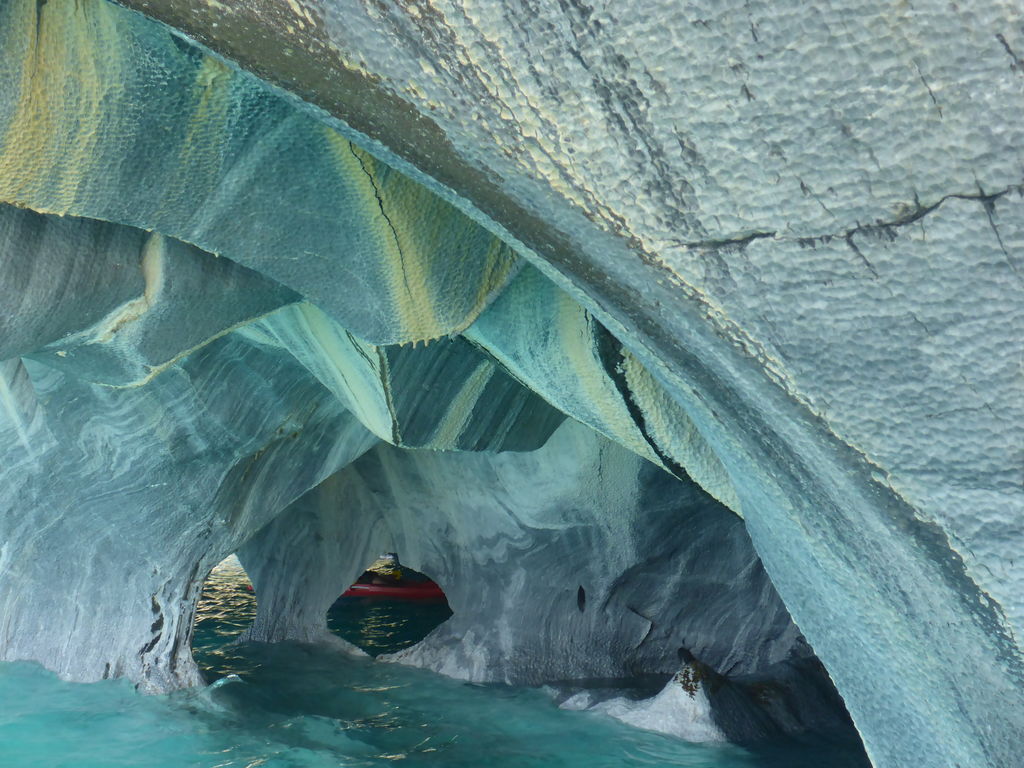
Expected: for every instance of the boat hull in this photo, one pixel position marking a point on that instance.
(419, 591)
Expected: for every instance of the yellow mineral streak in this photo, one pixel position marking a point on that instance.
(460, 409)
(153, 274)
(199, 167)
(297, 9)
(670, 426)
(500, 261)
(71, 67)
(407, 272)
(577, 336)
(347, 367)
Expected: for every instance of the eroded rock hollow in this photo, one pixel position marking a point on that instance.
(668, 338)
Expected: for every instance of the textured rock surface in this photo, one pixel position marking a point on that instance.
(108, 117)
(775, 250)
(159, 420)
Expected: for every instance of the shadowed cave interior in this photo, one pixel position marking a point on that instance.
(667, 487)
(602, 638)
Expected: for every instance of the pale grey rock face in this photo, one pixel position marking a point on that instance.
(672, 711)
(94, 477)
(80, 270)
(775, 250)
(875, 341)
(116, 305)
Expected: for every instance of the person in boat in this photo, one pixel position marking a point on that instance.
(387, 576)
(385, 570)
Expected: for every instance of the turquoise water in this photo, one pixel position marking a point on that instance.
(385, 626)
(294, 706)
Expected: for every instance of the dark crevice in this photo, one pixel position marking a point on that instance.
(810, 192)
(920, 211)
(39, 18)
(357, 346)
(387, 219)
(729, 243)
(882, 229)
(1017, 63)
(990, 210)
(151, 644)
(856, 250)
(193, 587)
(610, 351)
(929, 88)
(888, 229)
(382, 363)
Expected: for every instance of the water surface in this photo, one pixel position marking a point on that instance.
(296, 706)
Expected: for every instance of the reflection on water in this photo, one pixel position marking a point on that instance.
(385, 626)
(226, 607)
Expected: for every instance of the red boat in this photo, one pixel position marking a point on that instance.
(388, 578)
(414, 590)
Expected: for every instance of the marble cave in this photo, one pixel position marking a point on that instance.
(670, 338)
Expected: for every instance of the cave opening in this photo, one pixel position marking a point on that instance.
(389, 608)
(227, 606)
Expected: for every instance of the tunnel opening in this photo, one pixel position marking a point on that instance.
(226, 608)
(389, 608)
